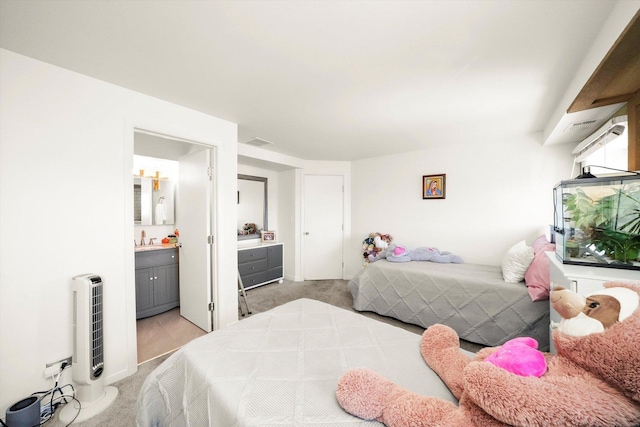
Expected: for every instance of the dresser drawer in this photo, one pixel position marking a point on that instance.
(156, 257)
(254, 279)
(274, 273)
(252, 267)
(249, 255)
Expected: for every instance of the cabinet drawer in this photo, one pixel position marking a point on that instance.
(156, 257)
(252, 267)
(254, 279)
(249, 255)
(274, 273)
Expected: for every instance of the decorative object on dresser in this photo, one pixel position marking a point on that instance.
(260, 264)
(157, 281)
(268, 236)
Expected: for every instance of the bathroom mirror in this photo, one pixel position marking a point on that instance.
(252, 206)
(153, 201)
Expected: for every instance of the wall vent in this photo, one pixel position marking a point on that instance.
(580, 126)
(258, 142)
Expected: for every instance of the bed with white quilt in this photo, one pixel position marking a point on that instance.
(281, 367)
(473, 299)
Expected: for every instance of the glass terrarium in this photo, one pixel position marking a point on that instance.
(597, 221)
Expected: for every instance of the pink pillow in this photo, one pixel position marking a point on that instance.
(537, 276)
(540, 243)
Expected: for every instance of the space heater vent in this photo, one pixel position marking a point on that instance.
(88, 351)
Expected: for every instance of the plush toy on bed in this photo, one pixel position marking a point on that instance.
(594, 380)
(374, 245)
(398, 253)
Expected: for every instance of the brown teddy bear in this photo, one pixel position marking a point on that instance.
(594, 380)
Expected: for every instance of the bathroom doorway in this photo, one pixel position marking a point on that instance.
(157, 209)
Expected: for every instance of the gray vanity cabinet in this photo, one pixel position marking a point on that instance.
(157, 281)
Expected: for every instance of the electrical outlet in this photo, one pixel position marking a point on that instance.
(53, 368)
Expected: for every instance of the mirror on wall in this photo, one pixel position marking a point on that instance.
(154, 190)
(252, 206)
(153, 201)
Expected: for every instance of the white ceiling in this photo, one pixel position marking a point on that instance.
(327, 80)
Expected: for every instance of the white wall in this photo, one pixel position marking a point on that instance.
(289, 230)
(496, 194)
(66, 207)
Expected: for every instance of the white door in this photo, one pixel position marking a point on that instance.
(323, 227)
(193, 216)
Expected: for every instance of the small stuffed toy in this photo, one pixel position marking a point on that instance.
(593, 380)
(398, 253)
(375, 244)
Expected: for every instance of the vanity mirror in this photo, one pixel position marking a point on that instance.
(252, 206)
(153, 201)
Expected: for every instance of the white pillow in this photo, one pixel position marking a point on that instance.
(516, 262)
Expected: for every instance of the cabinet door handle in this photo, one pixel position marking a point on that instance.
(150, 278)
(156, 278)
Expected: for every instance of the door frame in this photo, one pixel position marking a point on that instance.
(184, 135)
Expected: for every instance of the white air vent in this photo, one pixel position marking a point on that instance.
(605, 134)
(257, 142)
(580, 126)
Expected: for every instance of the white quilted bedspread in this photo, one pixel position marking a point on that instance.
(280, 368)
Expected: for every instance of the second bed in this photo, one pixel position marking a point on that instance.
(472, 299)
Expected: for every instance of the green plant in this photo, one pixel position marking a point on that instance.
(611, 223)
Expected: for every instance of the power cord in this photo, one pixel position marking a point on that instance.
(58, 397)
(48, 411)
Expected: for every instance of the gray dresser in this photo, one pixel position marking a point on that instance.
(157, 281)
(260, 264)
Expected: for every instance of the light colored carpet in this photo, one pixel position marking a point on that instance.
(122, 412)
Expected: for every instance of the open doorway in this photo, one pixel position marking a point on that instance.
(167, 316)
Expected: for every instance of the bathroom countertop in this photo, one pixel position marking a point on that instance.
(154, 247)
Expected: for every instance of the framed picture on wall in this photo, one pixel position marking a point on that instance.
(268, 236)
(434, 186)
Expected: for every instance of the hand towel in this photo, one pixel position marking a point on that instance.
(160, 216)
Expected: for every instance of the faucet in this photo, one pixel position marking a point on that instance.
(151, 240)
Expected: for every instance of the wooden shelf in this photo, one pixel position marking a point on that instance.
(617, 79)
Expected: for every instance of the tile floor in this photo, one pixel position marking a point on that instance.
(162, 333)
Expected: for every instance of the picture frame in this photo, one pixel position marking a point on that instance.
(434, 186)
(268, 236)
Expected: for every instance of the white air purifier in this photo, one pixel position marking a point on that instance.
(88, 352)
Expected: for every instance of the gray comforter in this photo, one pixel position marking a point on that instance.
(472, 299)
(281, 368)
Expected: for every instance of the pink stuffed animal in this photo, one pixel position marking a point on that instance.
(520, 356)
(594, 380)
